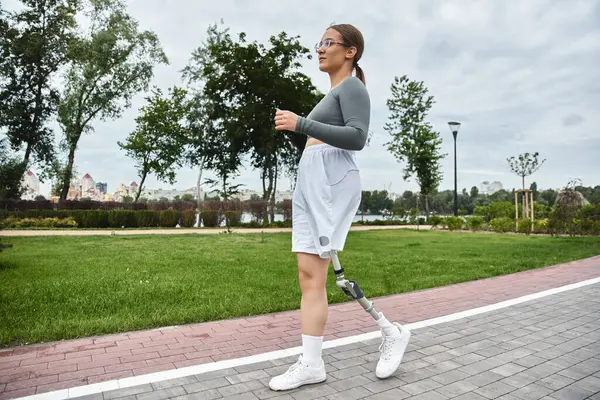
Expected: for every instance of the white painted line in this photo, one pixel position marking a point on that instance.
(273, 355)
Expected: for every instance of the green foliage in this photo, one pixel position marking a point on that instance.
(122, 219)
(475, 223)
(17, 223)
(233, 218)
(242, 85)
(413, 139)
(434, 221)
(541, 226)
(525, 164)
(169, 218)
(210, 218)
(34, 46)
(188, 218)
(110, 64)
(375, 202)
(454, 223)
(525, 226)
(147, 218)
(11, 174)
(157, 143)
(502, 225)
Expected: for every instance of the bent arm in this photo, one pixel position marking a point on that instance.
(356, 111)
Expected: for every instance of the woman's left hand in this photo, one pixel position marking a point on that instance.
(285, 120)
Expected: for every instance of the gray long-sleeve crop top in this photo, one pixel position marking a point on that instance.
(342, 117)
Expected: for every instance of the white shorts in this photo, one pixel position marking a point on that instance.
(325, 200)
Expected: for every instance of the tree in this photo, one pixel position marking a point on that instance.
(111, 64)
(474, 192)
(245, 83)
(525, 165)
(414, 140)
(34, 46)
(11, 173)
(157, 142)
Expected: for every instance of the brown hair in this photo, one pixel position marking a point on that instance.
(353, 37)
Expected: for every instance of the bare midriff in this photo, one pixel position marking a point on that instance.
(313, 141)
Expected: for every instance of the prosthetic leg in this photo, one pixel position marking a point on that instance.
(395, 337)
(351, 288)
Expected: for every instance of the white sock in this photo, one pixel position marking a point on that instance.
(311, 350)
(387, 327)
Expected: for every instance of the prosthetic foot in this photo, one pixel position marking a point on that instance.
(394, 336)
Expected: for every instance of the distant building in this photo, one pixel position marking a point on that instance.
(490, 188)
(31, 184)
(102, 187)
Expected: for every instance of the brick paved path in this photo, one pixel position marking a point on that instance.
(44, 368)
(544, 349)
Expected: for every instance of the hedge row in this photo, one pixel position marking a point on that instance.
(583, 220)
(127, 219)
(249, 206)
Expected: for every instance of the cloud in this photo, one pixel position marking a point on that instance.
(520, 76)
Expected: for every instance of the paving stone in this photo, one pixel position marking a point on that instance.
(531, 392)
(494, 390)
(393, 394)
(508, 369)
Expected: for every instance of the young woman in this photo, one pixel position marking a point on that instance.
(326, 198)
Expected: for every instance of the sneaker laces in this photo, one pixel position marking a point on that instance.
(294, 368)
(385, 348)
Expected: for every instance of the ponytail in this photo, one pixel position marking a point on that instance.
(359, 73)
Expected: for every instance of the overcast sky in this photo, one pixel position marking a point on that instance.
(520, 75)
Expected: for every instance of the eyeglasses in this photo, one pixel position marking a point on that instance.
(328, 42)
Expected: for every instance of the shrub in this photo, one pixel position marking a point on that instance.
(482, 211)
(188, 218)
(475, 223)
(210, 218)
(258, 210)
(454, 223)
(169, 218)
(435, 221)
(541, 225)
(233, 218)
(12, 222)
(122, 218)
(502, 224)
(525, 226)
(287, 210)
(501, 209)
(147, 218)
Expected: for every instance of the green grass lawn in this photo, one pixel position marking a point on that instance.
(65, 287)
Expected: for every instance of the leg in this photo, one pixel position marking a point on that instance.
(310, 368)
(346, 200)
(395, 337)
(312, 274)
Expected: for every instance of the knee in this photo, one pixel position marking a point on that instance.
(312, 274)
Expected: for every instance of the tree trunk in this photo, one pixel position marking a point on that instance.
(198, 192)
(273, 195)
(66, 184)
(523, 198)
(139, 192)
(27, 154)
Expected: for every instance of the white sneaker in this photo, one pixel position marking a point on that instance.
(392, 350)
(297, 375)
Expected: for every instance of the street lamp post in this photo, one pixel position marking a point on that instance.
(454, 126)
